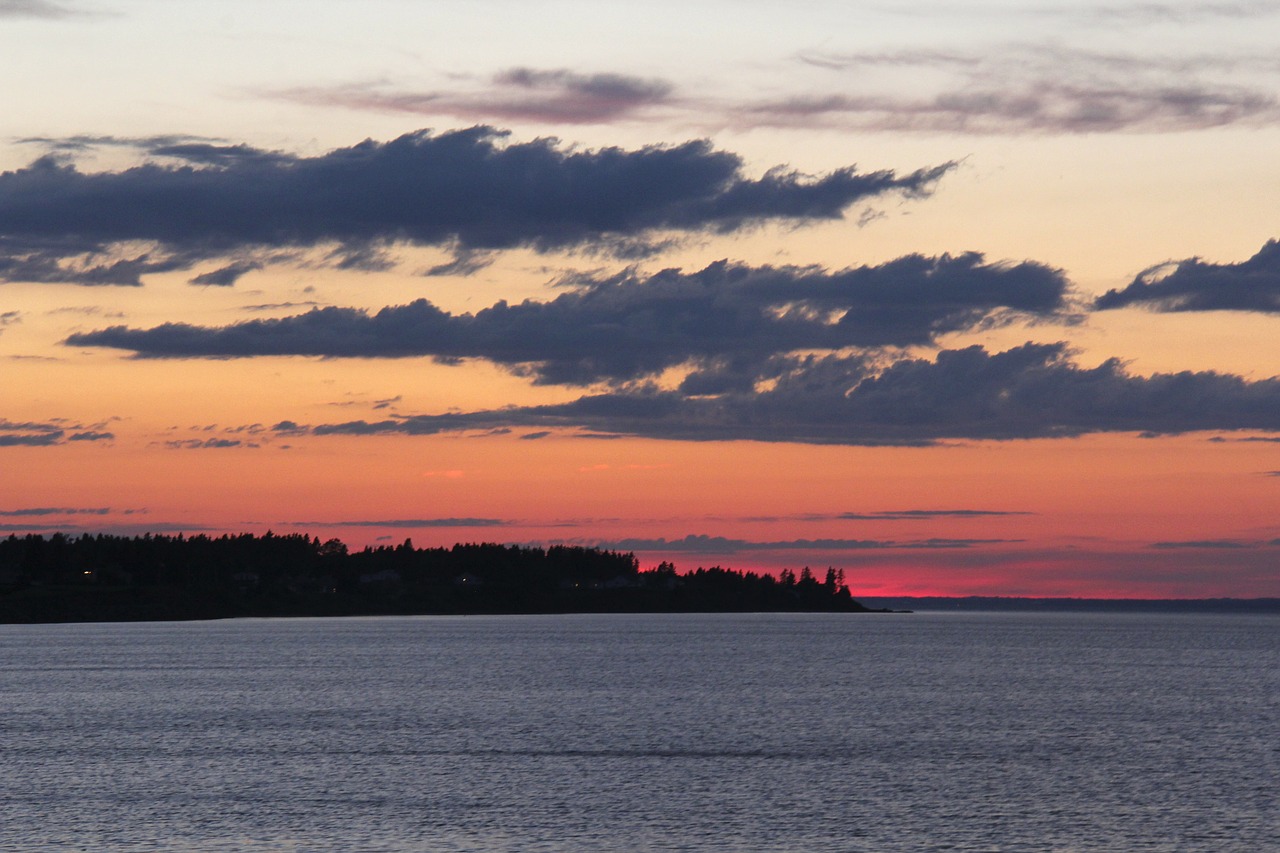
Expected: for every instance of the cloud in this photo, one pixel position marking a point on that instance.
(468, 190)
(1159, 13)
(38, 439)
(554, 96)
(43, 511)
(207, 444)
(91, 435)
(704, 544)
(406, 522)
(47, 433)
(1031, 88)
(34, 9)
(922, 514)
(1194, 285)
(1214, 544)
(228, 275)
(727, 318)
(1031, 391)
(8, 318)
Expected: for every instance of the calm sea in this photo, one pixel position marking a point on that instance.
(971, 731)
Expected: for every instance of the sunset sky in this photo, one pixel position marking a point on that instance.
(963, 298)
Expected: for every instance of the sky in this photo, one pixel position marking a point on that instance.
(962, 298)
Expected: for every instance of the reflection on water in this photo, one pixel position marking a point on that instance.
(636, 732)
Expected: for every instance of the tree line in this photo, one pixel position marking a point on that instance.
(103, 577)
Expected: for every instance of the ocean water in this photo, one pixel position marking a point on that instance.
(779, 732)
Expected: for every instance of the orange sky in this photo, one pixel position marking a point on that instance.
(810, 416)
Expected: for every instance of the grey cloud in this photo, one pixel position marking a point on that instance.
(1194, 285)
(91, 435)
(276, 306)
(463, 264)
(228, 275)
(35, 9)
(1042, 107)
(1161, 13)
(1213, 544)
(558, 96)
(704, 544)
(467, 190)
(925, 514)
(43, 511)
(36, 439)
(207, 444)
(34, 433)
(1031, 391)
(407, 523)
(727, 318)
(1040, 88)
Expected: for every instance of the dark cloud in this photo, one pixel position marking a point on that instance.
(277, 306)
(727, 318)
(406, 522)
(39, 511)
(1213, 544)
(467, 190)
(47, 433)
(1194, 285)
(924, 514)
(35, 439)
(555, 96)
(1031, 391)
(8, 318)
(43, 511)
(206, 444)
(462, 264)
(704, 544)
(228, 275)
(91, 435)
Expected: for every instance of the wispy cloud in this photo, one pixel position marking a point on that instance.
(559, 96)
(36, 9)
(1216, 544)
(207, 444)
(705, 544)
(405, 522)
(1031, 88)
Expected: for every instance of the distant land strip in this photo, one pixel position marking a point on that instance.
(107, 578)
(977, 603)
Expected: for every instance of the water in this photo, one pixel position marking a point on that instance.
(631, 733)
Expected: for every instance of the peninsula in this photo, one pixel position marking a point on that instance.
(105, 578)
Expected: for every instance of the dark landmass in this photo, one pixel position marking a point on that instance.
(1095, 605)
(102, 578)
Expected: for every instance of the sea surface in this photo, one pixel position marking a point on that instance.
(758, 732)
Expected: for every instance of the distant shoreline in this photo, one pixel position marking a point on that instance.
(980, 603)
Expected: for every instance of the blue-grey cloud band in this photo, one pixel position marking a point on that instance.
(1195, 285)
(728, 319)
(1031, 391)
(466, 189)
